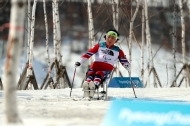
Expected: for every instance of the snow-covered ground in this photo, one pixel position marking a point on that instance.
(57, 108)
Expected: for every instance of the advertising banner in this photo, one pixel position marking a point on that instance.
(125, 82)
(147, 113)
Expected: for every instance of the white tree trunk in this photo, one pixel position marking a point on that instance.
(131, 32)
(54, 31)
(174, 45)
(54, 39)
(115, 10)
(14, 48)
(143, 40)
(58, 30)
(149, 46)
(90, 28)
(58, 38)
(29, 70)
(148, 56)
(29, 31)
(183, 37)
(47, 38)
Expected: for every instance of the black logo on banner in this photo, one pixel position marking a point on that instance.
(109, 52)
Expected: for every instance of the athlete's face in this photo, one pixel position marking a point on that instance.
(110, 40)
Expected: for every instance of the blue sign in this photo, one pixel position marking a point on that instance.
(147, 113)
(125, 82)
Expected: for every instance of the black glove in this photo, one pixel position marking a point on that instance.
(127, 66)
(77, 64)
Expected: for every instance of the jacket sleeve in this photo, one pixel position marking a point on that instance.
(123, 60)
(89, 53)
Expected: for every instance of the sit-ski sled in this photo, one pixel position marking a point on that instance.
(97, 93)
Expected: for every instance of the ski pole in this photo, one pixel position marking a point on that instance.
(73, 81)
(132, 85)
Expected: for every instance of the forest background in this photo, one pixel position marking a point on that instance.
(74, 22)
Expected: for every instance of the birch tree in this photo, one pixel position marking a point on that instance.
(57, 39)
(14, 47)
(148, 40)
(29, 31)
(47, 39)
(131, 32)
(186, 75)
(150, 64)
(182, 31)
(185, 67)
(54, 40)
(90, 28)
(29, 70)
(174, 43)
(115, 9)
(142, 46)
(58, 30)
(54, 31)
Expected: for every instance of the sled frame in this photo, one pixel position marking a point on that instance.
(102, 90)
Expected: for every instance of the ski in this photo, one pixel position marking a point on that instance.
(81, 99)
